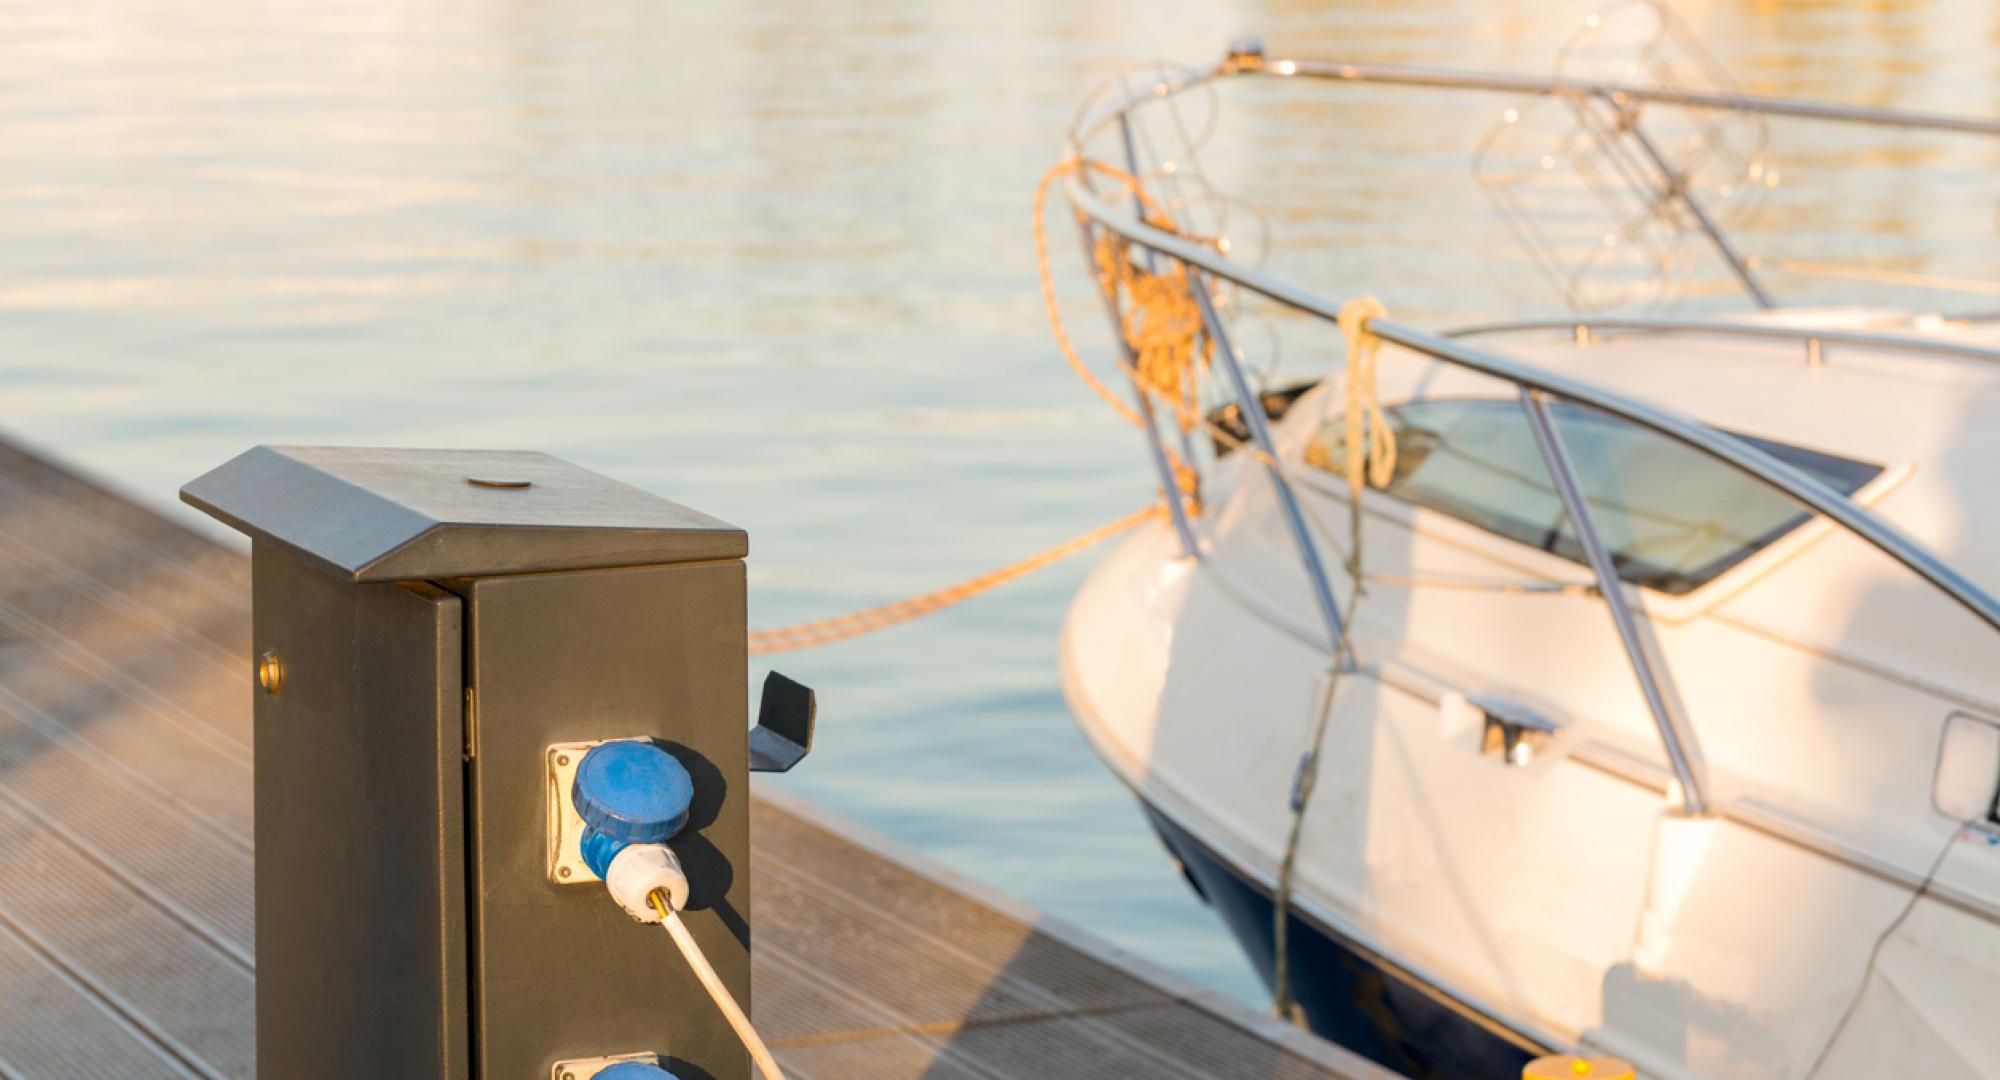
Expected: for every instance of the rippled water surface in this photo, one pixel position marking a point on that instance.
(774, 260)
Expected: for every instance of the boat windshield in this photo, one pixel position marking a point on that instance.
(1674, 519)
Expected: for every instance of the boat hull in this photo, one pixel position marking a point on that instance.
(1349, 994)
(1454, 913)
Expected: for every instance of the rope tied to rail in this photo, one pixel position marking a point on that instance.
(1159, 320)
(1167, 346)
(1161, 325)
(1369, 453)
(1370, 443)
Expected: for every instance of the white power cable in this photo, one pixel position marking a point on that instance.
(712, 982)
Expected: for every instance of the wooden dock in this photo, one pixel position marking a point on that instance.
(125, 862)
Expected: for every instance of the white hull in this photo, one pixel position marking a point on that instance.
(1827, 909)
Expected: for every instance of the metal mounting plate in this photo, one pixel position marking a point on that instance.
(585, 1068)
(566, 865)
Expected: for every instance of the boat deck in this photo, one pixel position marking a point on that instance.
(126, 848)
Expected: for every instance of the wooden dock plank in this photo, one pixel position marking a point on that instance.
(126, 874)
(52, 494)
(178, 864)
(55, 1027)
(130, 638)
(1059, 1001)
(93, 721)
(169, 980)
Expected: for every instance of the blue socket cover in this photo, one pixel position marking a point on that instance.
(628, 792)
(634, 1070)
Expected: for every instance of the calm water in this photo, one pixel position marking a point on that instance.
(773, 260)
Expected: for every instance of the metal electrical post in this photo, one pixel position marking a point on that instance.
(432, 629)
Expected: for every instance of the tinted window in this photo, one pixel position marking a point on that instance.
(1673, 518)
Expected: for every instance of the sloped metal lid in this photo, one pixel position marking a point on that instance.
(368, 515)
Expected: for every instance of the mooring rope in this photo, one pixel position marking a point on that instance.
(1875, 950)
(1162, 329)
(1076, 364)
(1369, 448)
(827, 631)
(1370, 441)
(1166, 340)
(1161, 325)
(1303, 782)
(1168, 344)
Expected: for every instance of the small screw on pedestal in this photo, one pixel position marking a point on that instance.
(270, 671)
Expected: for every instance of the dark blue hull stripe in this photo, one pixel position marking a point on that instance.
(1349, 994)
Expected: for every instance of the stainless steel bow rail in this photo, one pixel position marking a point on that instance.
(1207, 265)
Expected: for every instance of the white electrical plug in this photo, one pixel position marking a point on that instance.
(640, 869)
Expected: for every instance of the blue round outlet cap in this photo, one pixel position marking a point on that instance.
(631, 790)
(634, 1070)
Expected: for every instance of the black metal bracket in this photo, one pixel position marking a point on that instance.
(784, 732)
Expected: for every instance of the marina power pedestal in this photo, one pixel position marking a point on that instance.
(431, 630)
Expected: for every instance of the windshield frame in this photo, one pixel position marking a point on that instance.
(1542, 565)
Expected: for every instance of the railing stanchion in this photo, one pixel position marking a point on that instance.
(1677, 188)
(1260, 437)
(1674, 733)
(1169, 483)
(1152, 260)
(1871, 528)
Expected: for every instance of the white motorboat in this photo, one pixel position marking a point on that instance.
(1652, 707)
